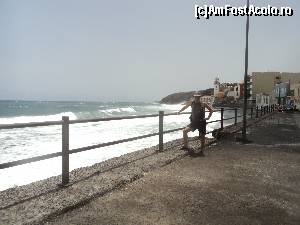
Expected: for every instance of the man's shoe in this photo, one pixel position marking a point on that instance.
(201, 153)
(191, 151)
(184, 148)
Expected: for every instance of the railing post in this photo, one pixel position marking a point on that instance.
(251, 115)
(161, 130)
(65, 150)
(222, 117)
(256, 112)
(235, 115)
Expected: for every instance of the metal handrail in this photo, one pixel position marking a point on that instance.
(229, 118)
(65, 122)
(29, 160)
(60, 122)
(94, 120)
(32, 124)
(111, 143)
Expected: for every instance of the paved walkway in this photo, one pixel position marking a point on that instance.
(257, 183)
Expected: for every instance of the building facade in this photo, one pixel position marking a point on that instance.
(282, 91)
(207, 99)
(295, 94)
(263, 100)
(234, 90)
(265, 82)
(216, 87)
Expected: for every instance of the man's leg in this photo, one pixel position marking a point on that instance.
(185, 136)
(202, 131)
(202, 139)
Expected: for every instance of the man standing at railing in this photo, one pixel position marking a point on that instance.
(198, 120)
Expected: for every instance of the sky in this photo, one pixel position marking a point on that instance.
(134, 50)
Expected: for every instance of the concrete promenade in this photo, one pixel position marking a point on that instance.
(257, 183)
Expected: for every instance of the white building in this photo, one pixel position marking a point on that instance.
(216, 87)
(295, 91)
(263, 99)
(207, 99)
(234, 91)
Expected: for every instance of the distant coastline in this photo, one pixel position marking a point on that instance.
(177, 98)
(181, 97)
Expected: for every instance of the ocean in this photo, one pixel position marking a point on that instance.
(29, 142)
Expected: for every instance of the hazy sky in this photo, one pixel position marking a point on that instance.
(134, 50)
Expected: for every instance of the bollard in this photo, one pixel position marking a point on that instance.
(261, 111)
(222, 116)
(256, 112)
(161, 130)
(235, 115)
(65, 150)
(251, 114)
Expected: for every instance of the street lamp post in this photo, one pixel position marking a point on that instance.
(244, 137)
(279, 98)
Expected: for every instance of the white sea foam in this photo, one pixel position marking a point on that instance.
(29, 142)
(117, 110)
(128, 109)
(28, 119)
(166, 107)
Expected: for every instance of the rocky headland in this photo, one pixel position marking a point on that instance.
(179, 97)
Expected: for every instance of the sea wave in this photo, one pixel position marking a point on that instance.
(117, 110)
(27, 119)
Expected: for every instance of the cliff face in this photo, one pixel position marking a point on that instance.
(177, 97)
(183, 96)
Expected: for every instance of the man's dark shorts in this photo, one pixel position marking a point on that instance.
(201, 126)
